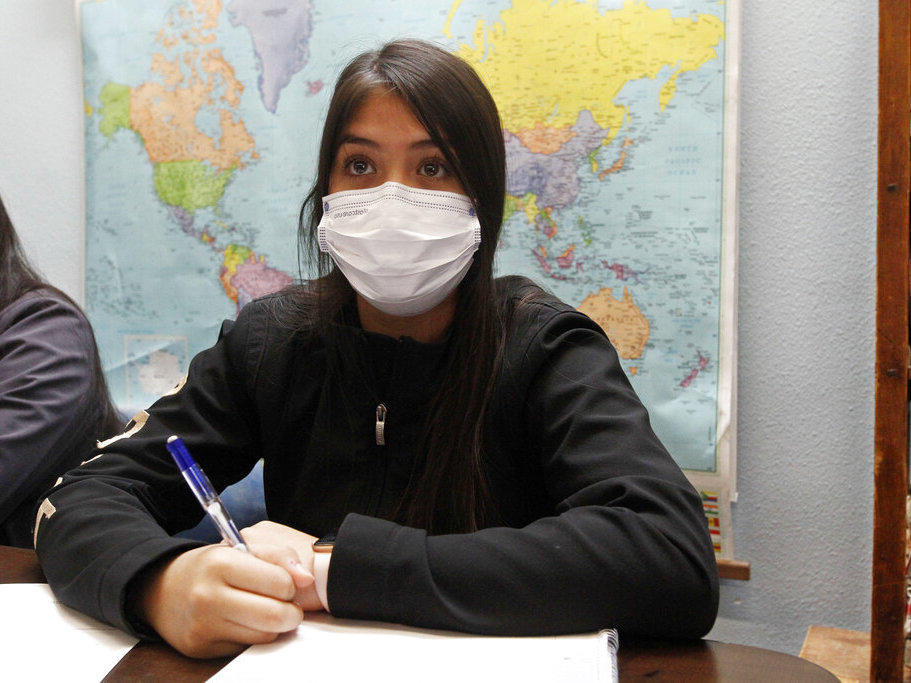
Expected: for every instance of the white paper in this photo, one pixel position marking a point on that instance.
(324, 648)
(42, 640)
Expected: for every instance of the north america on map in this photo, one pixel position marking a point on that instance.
(203, 120)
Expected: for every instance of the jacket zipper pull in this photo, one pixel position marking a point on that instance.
(380, 425)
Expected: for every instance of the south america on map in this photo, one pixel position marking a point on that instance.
(202, 125)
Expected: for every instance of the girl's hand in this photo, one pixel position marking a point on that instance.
(272, 534)
(214, 601)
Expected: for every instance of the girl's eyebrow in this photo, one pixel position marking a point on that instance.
(367, 142)
(354, 140)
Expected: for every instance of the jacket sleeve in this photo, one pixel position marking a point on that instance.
(627, 545)
(46, 372)
(112, 517)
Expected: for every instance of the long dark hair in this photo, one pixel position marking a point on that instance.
(17, 278)
(449, 492)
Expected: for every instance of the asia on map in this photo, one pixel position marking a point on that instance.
(202, 126)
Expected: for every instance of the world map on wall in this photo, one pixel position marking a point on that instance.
(203, 120)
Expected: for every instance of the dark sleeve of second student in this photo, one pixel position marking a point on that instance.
(46, 415)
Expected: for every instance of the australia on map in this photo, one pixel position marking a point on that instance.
(202, 126)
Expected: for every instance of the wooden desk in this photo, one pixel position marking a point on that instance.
(639, 659)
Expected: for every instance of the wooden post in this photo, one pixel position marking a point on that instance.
(890, 469)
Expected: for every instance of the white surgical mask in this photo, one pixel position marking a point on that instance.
(402, 249)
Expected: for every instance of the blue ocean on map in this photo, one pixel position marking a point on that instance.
(635, 209)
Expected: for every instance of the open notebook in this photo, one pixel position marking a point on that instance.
(43, 640)
(324, 648)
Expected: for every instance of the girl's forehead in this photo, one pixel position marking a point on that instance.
(383, 117)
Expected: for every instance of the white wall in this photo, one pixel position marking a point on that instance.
(42, 168)
(806, 284)
(807, 231)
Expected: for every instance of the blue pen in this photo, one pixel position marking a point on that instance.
(201, 487)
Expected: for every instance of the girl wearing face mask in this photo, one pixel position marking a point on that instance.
(468, 447)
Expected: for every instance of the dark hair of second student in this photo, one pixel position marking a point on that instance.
(448, 98)
(17, 278)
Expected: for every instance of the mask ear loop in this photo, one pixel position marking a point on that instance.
(321, 236)
(321, 229)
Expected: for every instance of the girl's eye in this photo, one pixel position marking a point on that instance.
(359, 167)
(433, 169)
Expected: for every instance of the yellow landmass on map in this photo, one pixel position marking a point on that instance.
(540, 79)
(622, 321)
(447, 27)
(528, 206)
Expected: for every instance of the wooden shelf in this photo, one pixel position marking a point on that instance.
(734, 569)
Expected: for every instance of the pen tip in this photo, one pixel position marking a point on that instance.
(171, 438)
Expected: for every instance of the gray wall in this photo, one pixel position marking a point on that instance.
(807, 240)
(807, 218)
(42, 168)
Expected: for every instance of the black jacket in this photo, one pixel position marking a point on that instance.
(47, 413)
(598, 526)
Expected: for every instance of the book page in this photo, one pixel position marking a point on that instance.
(324, 648)
(43, 639)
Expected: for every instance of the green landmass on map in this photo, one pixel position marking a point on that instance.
(611, 114)
(190, 185)
(115, 108)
